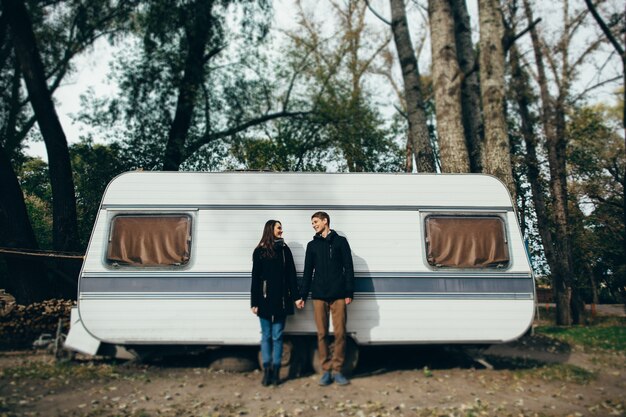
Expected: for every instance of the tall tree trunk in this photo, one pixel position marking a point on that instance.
(27, 280)
(560, 210)
(65, 230)
(470, 87)
(418, 130)
(447, 86)
(523, 96)
(561, 270)
(197, 34)
(496, 149)
(593, 281)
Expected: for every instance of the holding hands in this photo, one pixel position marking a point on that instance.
(300, 303)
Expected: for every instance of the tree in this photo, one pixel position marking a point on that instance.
(295, 144)
(496, 158)
(30, 284)
(95, 165)
(64, 203)
(63, 30)
(46, 45)
(447, 78)
(416, 113)
(553, 118)
(611, 30)
(524, 99)
(557, 69)
(470, 85)
(197, 21)
(192, 78)
(597, 160)
(335, 69)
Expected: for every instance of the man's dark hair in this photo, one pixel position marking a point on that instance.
(321, 215)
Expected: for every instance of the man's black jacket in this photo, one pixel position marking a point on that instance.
(328, 269)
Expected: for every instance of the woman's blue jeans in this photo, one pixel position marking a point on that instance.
(272, 340)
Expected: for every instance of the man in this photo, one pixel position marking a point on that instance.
(329, 274)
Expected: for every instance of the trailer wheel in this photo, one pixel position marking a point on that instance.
(352, 356)
(292, 361)
(233, 360)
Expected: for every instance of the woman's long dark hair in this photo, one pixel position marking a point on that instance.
(267, 239)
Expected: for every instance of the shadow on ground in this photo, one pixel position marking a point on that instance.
(525, 353)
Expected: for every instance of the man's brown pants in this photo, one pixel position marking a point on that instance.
(337, 310)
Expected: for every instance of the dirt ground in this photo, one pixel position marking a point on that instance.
(534, 376)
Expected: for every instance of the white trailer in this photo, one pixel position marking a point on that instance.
(438, 258)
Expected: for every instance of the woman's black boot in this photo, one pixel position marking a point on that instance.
(267, 375)
(276, 375)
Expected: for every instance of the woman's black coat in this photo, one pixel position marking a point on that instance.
(274, 284)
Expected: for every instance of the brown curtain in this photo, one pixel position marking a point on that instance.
(149, 240)
(466, 242)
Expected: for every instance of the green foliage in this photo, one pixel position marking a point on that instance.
(597, 162)
(344, 128)
(283, 152)
(149, 73)
(607, 336)
(357, 130)
(561, 372)
(40, 214)
(63, 29)
(37, 192)
(337, 136)
(94, 167)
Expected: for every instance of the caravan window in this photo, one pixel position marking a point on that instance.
(149, 240)
(466, 242)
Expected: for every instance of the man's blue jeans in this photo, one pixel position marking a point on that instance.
(272, 336)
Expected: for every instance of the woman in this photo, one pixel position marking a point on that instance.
(272, 295)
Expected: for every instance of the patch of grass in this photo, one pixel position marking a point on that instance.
(560, 372)
(610, 335)
(547, 316)
(62, 371)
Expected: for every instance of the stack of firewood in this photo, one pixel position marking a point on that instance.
(24, 324)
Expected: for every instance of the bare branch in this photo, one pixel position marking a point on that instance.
(207, 107)
(394, 85)
(605, 201)
(598, 85)
(369, 6)
(293, 80)
(401, 112)
(605, 29)
(509, 41)
(553, 65)
(531, 71)
(419, 45)
(195, 146)
(592, 47)
(576, 23)
(367, 63)
(214, 52)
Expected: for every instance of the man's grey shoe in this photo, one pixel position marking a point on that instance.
(326, 379)
(341, 380)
